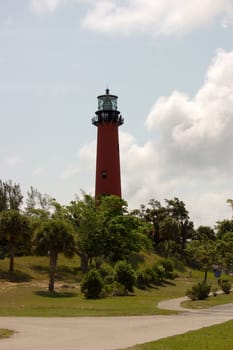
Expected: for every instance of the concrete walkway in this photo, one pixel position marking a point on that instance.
(106, 333)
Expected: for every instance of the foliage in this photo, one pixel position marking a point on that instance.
(199, 291)
(125, 275)
(202, 255)
(10, 196)
(168, 266)
(226, 286)
(145, 278)
(54, 236)
(171, 226)
(104, 230)
(161, 270)
(14, 231)
(92, 284)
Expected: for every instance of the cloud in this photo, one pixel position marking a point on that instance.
(69, 172)
(162, 17)
(189, 151)
(40, 172)
(42, 6)
(14, 161)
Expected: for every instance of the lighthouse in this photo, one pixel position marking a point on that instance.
(107, 119)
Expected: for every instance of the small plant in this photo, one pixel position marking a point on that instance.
(199, 291)
(145, 278)
(168, 267)
(125, 275)
(118, 289)
(226, 286)
(92, 285)
(159, 271)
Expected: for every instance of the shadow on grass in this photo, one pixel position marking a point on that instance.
(63, 273)
(48, 294)
(68, 273)
(40, 268)
(16, 276)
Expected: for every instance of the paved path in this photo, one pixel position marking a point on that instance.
(105, 333)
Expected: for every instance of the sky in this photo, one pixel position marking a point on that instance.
(170, 62)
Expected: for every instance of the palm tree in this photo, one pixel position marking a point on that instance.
(54, 236)
(14, 229)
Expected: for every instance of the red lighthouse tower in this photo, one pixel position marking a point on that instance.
(107, 120)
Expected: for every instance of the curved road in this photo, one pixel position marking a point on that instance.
(106, 333)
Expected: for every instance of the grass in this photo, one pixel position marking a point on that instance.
(24, 293)
(218, 337)
(209, 302)
(5, 333)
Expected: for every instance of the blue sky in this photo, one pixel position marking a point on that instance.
(170, 63)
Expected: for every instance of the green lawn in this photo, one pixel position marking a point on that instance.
(209, 302)
(24, 293)
(218, 337)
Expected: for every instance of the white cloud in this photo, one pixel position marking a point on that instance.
(40, 172)
(41, 6)
(14, 160)
(162, 17)
(190, 154)
(69, 172)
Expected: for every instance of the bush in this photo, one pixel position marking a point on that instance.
(107, 274)
(145, 278)
(125, 275)
(92, 285)
(168, 266)
(226, 286)
(118, 289)
(199, 291)
(159, 272)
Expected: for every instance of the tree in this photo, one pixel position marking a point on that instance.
(225, 243)
(176, 209)
(169, 232)
(54, 236)
(10, 196)
(105, 230)
(202, 254)
(14, 229)
(155, 214)
(84, 217)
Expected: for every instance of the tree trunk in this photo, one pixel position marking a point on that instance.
(84, 262)
(205, 278)
(12, 255)
(52, 270)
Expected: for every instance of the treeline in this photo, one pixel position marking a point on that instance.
(107, 231)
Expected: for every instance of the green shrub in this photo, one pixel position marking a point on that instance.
(145, 278)
(107, 273)
(125, 275)
(159, 272)
(199, 291)
(168, 267)
(118, 289)
(226, 286)
(92, 285)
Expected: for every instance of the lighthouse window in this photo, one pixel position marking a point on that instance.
(104, 174)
